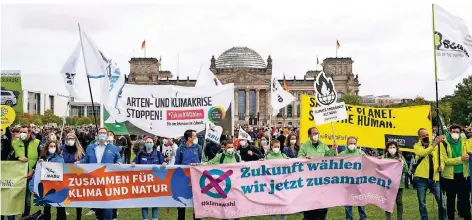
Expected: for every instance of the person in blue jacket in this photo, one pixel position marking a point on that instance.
(72, 151)
(149, 156)
(50, 153)
(188, 153)
(103, 153)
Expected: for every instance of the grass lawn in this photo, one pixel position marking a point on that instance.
(410, 211)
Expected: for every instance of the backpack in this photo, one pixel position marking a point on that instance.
(222, 158)
(181, 152)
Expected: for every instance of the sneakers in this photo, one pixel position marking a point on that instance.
(91, 212)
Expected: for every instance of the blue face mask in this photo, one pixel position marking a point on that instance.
(102, 137)
(149, 146)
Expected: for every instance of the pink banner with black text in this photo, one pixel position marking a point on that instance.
(293, 185)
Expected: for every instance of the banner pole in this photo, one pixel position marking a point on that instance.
(437, 101)
(88, 79)
(334, 137)
(64, 119)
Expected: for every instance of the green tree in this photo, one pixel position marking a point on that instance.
(461, 103)
(351, 99)
(49, 117)
(37, 120)
(84, 121)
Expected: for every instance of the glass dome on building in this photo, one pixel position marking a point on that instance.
(240, 57)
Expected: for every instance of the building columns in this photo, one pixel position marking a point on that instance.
(236, 103)
(257, 102)
(268, 106)
(294, 106)
(247, 104)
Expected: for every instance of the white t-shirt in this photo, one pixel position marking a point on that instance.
(99, 150)
(170, 151)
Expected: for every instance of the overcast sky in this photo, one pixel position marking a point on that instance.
(390, 43)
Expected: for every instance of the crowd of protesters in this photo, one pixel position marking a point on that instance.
(87, 144)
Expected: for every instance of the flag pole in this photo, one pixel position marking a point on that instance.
(64, 118)
(437, 99)
(88, 79)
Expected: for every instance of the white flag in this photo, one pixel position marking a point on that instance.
(207, 78)
(279, 97)
(453, 45)
(69, 72)
(96, 62)
(111, 89)
(243, 134)
(213, 132)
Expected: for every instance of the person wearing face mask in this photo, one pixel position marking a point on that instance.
(229, 155)
(149, 156)
(27, 150)
(188, 153)
(72, 152)
(315, 148)
(264, 145)
(393, 152)
(456, 176)
(102, 153)
(291, 148)
(50, 153)
(427, 172)
(211, 149)
(111, 138)
(248, 152)
(276, 153)
(352, 150)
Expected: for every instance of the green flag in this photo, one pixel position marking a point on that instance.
(13, 187)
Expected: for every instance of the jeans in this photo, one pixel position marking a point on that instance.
(27, 200)
(316, 214)
(399, 201)
(282, 217)
(78, 213)
(154, 213)
(458, 187)
(181, 214)
(10, 217)
(422, 185)
(361, 209)
(104, 214)
(61, 213)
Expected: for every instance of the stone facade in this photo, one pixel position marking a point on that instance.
(254, 79)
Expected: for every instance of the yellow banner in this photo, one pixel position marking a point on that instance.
(371, 126)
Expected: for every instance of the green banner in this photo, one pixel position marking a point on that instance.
(12, 91)
(13, 183)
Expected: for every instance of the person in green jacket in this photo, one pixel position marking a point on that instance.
(456, 180)
(276, 153)
(352, 150)
(393, 152)
(229, 155)
(310, 149)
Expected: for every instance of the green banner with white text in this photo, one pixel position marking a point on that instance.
(13, 187)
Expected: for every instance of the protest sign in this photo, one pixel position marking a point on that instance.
(243, 135)
(116, 186)
(13, 183)
(213, 132)
(270, 187)
(371, 126)
(332, 113)
(168, 111)
(12, 91)
(8, 117)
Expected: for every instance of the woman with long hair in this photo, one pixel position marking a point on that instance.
(291, 148)
(392, 151)
(50, 153)
(73, 151)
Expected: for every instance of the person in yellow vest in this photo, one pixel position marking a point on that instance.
(427, 172)
(27, 150)
(456, 172)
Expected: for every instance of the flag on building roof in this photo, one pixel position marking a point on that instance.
(337, 44)
(143, 45)
(285, 84)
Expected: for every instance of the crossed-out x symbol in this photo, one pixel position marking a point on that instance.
(215, 183)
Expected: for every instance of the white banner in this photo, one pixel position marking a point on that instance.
(52, 171)
(453, 44)
(243, 134)
(327, 114)
(213, 132)
(169, 111)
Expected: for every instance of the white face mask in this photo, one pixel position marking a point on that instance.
(23, 136)
(351, 147)
(293, 141)
(70, 142)
(276, 150)
(53, 138)
(230, 150)
(195, 141)
(392, 151)
(455, 136)
(52, 150)
(110, 138)
(315, 137)
(164, 141)
(242, 143)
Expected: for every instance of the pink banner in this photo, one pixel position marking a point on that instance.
(293, 185)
